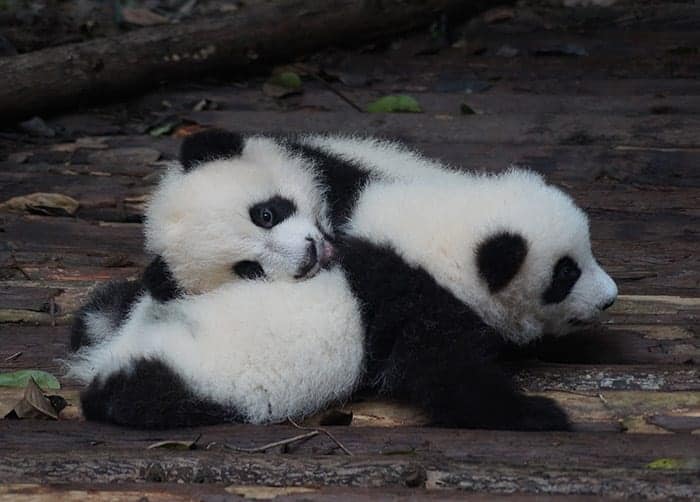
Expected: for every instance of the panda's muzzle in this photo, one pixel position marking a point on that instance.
(318, 255)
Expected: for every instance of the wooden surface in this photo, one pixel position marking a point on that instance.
(616, 125)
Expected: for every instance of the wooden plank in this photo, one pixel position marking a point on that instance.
(588, 448)
(59, 236)
(138, 492)
(472, 460)
(532, 129)
(596, 378)
(498, 102)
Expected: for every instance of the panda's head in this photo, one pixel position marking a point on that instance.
(536, 270)
(238, 208)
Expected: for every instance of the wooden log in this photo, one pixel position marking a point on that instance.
(435, 459)
(258, 34)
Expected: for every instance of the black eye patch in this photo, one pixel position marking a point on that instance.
(499, 258)
(248, 270)
(271, 212)
(566, 273)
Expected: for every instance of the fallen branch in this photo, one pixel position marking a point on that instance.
(258, 34)
(320, 429)
(275, 444)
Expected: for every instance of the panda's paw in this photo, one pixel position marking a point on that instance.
(541, 414)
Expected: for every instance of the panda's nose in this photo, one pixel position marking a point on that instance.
(608, 304)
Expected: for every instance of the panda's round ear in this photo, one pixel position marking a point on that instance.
(499, 258)
(207, 145)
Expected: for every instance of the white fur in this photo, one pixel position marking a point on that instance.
(390, 160)
(199, 220)
(438, 224)
(268, 350)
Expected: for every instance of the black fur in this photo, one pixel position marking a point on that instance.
(426, 347)
(248, 270)
(113, 300)
(208, 145)
(499, 258)
(150, 396)
(342, 179)
(159, 281)
(564, 275)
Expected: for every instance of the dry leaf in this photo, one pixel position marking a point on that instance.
(188, 129)
(34, 404)
(19, 157)
(42, 203)
(142, 17)
(498, 15)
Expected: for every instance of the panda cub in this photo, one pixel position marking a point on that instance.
(232, 209)
(450, 267)
(197, 346)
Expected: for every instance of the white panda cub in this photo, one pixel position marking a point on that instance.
(234, 208)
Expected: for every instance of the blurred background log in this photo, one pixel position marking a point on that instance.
(60, 78)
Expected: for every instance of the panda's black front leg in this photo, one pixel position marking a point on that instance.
(460, 385)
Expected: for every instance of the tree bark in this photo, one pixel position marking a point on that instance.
(62, 77)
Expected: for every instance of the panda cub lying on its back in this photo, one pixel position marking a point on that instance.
(190, 344)
(234, 209)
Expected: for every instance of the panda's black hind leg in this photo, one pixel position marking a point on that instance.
(460, 384)
(541, 413)
(150, 395)
(111, 302)
(482, 397)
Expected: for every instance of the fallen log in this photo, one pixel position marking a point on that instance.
(254, 36)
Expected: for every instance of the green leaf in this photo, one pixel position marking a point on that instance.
(21, 378)
(394, 104)
(672, 464)
(163, 130)
(287, 79)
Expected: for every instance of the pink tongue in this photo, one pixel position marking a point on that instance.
(327, 252)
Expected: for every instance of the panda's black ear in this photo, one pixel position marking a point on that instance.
(499, 258)
(211, 144)
(159, 281)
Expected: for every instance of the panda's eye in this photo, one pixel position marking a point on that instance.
(264, 216)
(267, 217)
(566, 273)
